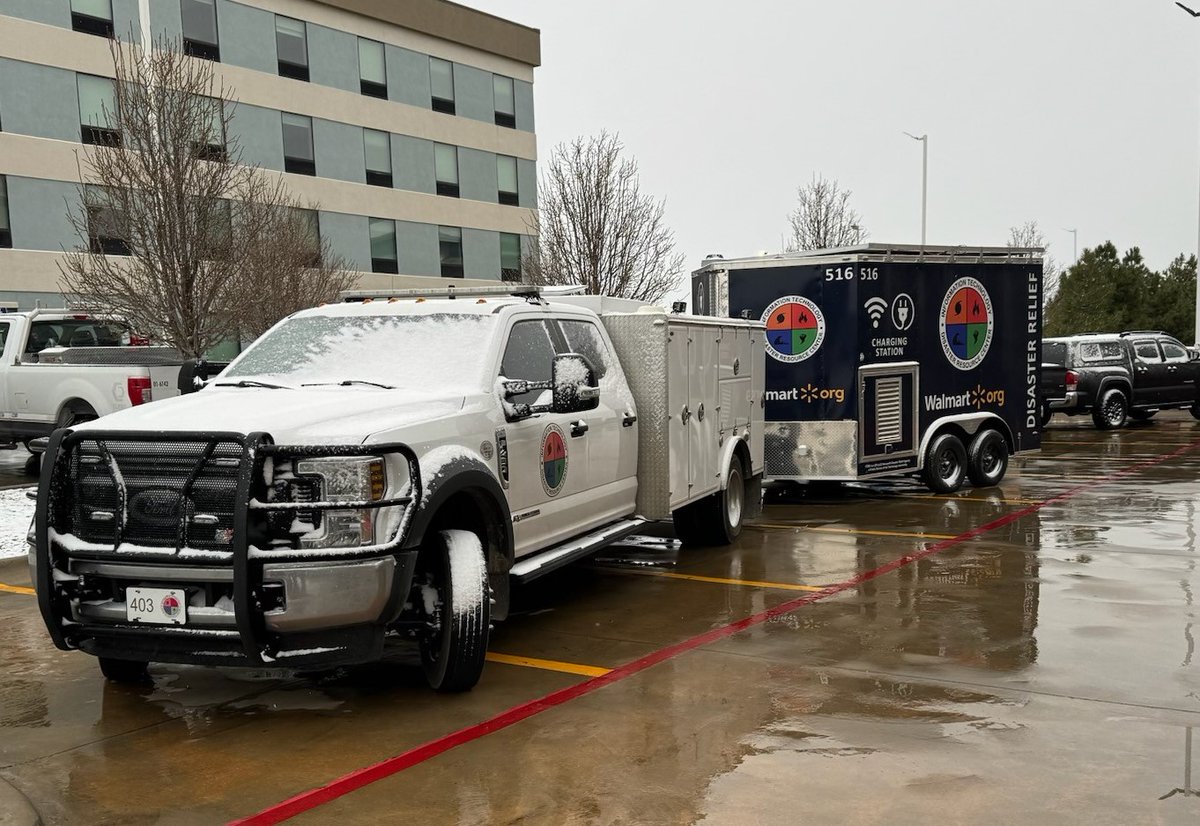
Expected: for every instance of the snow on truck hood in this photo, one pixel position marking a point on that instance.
(312, 415)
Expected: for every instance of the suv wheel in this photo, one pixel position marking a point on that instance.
(945, 464)
(451, 587)
(1112, 410)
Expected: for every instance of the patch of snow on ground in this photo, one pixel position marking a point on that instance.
(16, 511)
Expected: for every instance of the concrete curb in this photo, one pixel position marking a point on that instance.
(15, 808)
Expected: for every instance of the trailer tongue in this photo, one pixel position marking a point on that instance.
(886, 360)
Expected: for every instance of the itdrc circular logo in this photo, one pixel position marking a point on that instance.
(795, 329)
(966, 323)
(554, 460)
(171, 606)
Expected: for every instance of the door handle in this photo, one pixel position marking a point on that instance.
(629, 420)
(578, 428)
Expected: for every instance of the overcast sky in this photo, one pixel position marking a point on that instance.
(1067, 112)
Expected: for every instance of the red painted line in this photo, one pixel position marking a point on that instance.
(342, 786)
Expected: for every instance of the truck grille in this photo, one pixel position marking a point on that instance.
(156, 495)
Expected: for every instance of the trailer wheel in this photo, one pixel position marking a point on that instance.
(1047, 414)
(452, 591)
(987, 459)
(128, 672)
(1112, 410)
(715, 519)
(945, 464)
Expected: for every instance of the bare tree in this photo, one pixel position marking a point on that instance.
(1029, 236)
(596, 228)
(824, 218)
(174, 226)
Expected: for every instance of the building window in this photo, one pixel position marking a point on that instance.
(298, 145)
(5, 223)
(441, 84)
(510, 256)
(505, 101)
(92, 17)
(451, 250)
(210, 143)
(98, 110)
(506, 173)
(377, 147)
(291, 45)
(445, 159)
(372, 68)
(383, 246)
(310, 232)
(108, 231)
(200, 28)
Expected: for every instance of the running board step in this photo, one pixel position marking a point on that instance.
(552, 559)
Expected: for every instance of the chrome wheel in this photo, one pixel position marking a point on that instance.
(735, 497)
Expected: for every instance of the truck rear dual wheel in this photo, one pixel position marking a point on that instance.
(452, 586)
(715, 519)
(1111, 410)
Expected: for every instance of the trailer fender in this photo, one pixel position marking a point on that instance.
(969, 424)
(727, 451)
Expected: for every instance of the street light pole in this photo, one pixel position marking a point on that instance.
(1074, 244)
(924, 139)
(1195, 14)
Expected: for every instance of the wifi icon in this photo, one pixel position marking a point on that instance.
(875, 308)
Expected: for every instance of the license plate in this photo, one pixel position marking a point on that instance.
(156, 606)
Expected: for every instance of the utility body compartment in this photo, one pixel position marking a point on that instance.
(698, 387)
(873, 350)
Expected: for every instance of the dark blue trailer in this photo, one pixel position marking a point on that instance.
(885, 360)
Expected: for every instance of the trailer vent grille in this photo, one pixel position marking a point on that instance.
(888, 416)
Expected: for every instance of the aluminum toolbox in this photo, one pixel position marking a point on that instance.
(697, 383)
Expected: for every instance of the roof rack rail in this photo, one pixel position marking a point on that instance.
(1143, 333)
(526, 291)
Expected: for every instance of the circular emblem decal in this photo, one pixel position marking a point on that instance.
(795, 329)
(554, 460)
(966, 323)
(171, 606)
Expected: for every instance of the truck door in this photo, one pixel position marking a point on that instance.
(1181, 372)
(1151, 382)
(548, 466)
(611, 429)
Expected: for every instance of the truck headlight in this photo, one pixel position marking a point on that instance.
(353, 480)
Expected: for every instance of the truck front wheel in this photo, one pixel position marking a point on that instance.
(715, 519)
(1111, 410)
(987, 459)
(453, 593)
(945, 464)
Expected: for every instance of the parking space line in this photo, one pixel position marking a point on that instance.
(852, 531)
(17, 589)
(548, 665)
(357, 779)
(752, 583)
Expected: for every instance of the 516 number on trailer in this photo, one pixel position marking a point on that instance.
(847, 274)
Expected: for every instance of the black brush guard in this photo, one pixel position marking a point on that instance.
(54, 597)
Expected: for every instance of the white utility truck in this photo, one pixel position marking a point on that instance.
(385, 467)
(59, 368)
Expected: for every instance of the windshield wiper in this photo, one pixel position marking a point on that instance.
(349, 382)
(253, 383)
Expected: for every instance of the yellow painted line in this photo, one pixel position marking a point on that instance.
(783, 586)
(548, 665)
(851, 531)
(17, 589)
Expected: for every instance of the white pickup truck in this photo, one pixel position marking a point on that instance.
(385, 469)
(59, 368)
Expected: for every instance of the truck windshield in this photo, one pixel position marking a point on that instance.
(436, 350)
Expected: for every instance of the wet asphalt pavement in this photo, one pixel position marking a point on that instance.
(1041, 671)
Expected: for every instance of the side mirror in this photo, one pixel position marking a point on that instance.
(574, 382)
